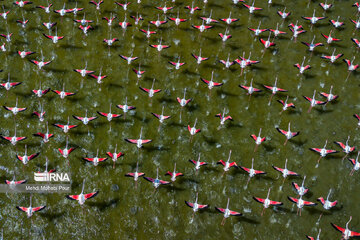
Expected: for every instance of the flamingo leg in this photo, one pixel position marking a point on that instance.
(270, 99)
(309, 109)
(223, 222)
(256, 147)
(344, 157)
(180, 113)
(247, 183)
(286, 141)
(318, 161)
(320, 217)
(347, 76)
(263, 53)
(6, 95)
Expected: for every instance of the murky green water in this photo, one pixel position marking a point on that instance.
(122, 212)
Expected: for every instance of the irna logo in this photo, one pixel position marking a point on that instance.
(51, 177)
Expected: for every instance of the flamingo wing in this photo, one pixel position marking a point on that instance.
(133, 141)
(90, 195)
(20, 182)
(307, 203)
(321, 199)
(32, 156)
(275, 203)
(294, 200)
(222, 210)
(189, 204)
(202, 206)
(233, 213)
(37, 209)
(259, 200)
(149, 179)
(245, 169)
(130, 175)
(24, 209)
(221, 162)
(72, 197)
(281, 131)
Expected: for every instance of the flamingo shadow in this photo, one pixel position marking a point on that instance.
(102, 206)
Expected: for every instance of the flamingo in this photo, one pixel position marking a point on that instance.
(25, 158)
(251, 171)
(66, 151)
(30, 210)
(139, 142)
(125, 107)
(135, 174)
(285, 104)
(345, 147)
(115, 155)
(13, 140)
(326, 203)
(65, 127)
(193, 130)
(156, 181)
(227, 165)
(95, 160)
(323, 151)
(223, 118)
(288, 134)
(313, 101)
(258, 139)
(274, 89)
(197, 163)
(81, 198)
(195, 206)
(227, 212)
(301, 190)
(45, 136)
(267, 202)
(355, 163)
(311, 238)
(300, 203)
(174, 174)
(346, 232)
(285, 172)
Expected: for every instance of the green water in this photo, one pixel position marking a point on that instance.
(120, 211)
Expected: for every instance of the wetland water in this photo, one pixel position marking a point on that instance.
(120, 211)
